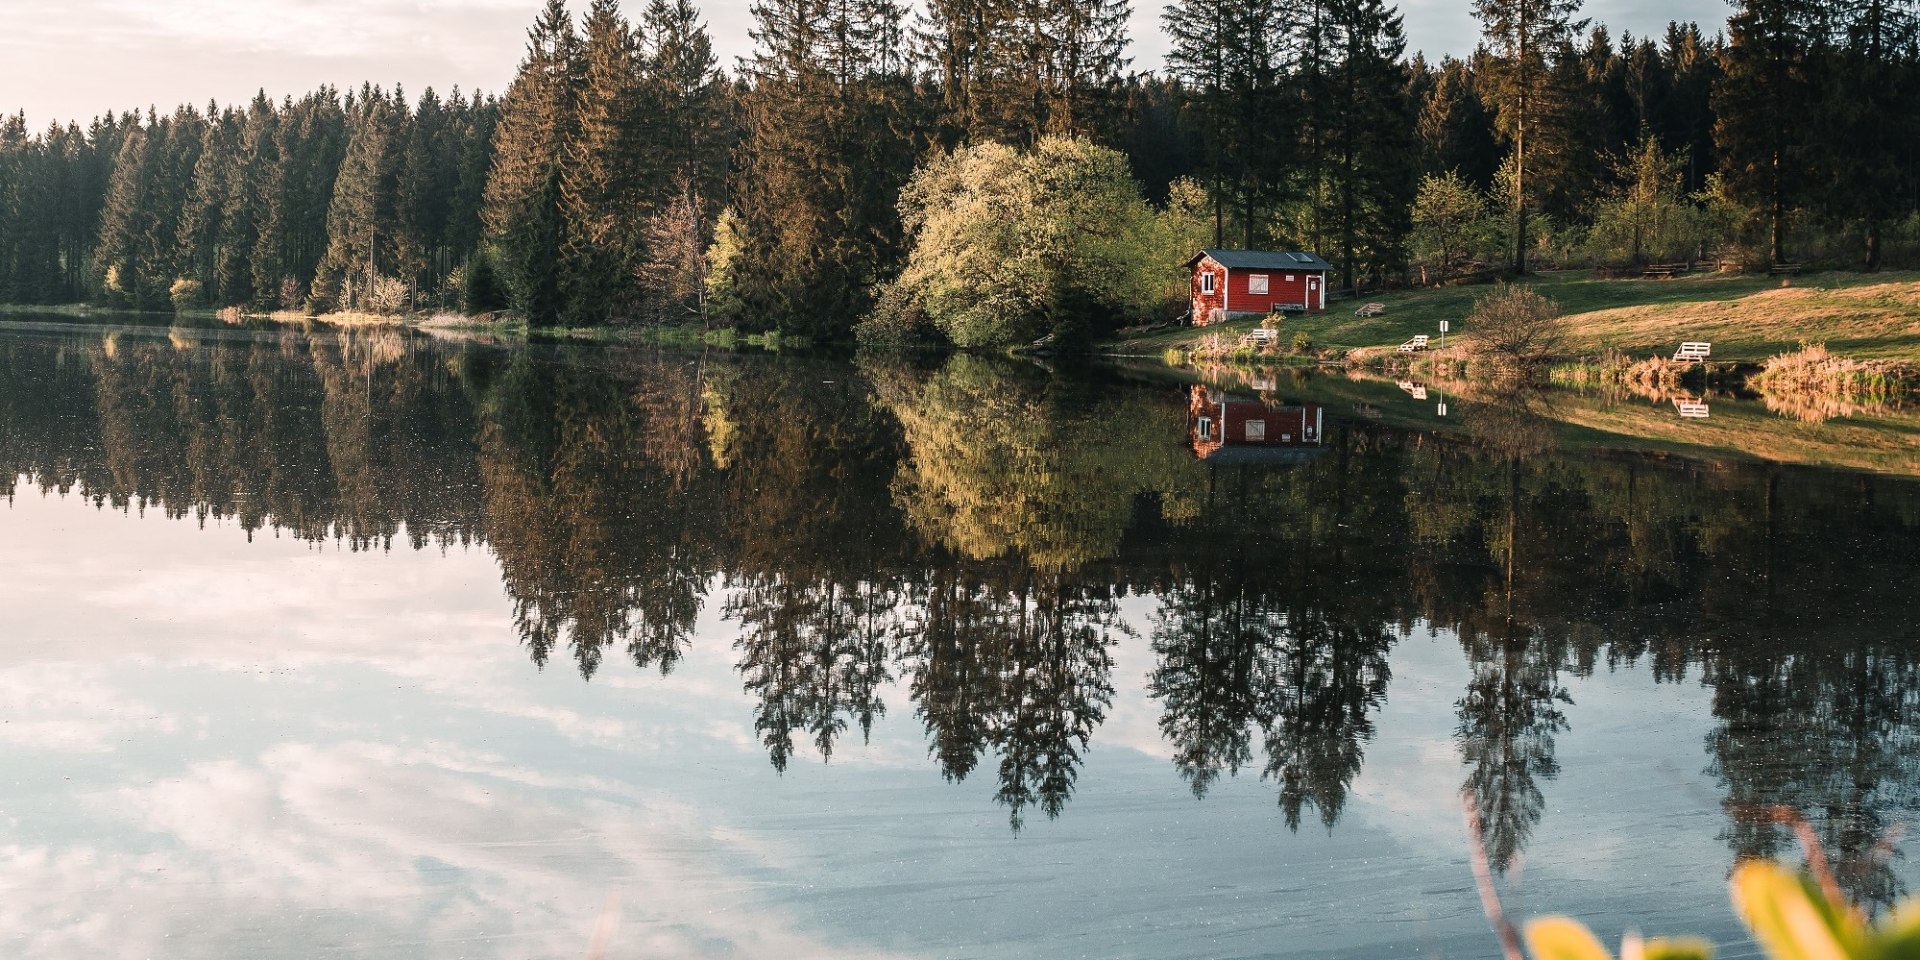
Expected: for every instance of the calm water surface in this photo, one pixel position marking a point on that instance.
(363, 645)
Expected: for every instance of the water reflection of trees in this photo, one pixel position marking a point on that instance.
(1262, 632)
(962, 536)
(1010, 663)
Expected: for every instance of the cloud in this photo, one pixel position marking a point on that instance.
(58, 709)
(367, 844)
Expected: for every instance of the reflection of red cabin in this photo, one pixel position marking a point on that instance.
(1224, 428)
(1254, 283)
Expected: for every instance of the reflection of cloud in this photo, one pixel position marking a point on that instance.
(69, 709)
(366, 844)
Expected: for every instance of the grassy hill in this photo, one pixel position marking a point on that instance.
(1748, 318)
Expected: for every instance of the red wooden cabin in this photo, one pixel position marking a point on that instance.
(1227, 428)
(1254, 283)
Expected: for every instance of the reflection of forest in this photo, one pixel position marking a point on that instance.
(969, 530)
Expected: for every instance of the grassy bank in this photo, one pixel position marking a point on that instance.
(1747, 318)
(1874, 441)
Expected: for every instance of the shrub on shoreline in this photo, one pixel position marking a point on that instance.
(1814, 384)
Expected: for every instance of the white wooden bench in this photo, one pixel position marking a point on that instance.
(1417, 343)
(1692, 352)
(1371, 310)
(1261, 336)
(1691, 409)
(1418, 390)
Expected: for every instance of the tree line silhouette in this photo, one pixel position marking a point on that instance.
(623, 162)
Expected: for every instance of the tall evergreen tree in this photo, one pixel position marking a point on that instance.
(829, 138)
(523, 196)
(1873, 119)
(1232, 55)
(1372, 173)
(1762, 102)
(688, 122)
(362, 217)
(1521, 35)
(1685, 121)
(604, 171)
(1455, 129)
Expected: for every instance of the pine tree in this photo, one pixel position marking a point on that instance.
(470, 147)
(361, 217)
(1455, 130)
(1371, 146)
(1873, 119)
(603, 171)
(523, 194)
(423, 199)
(1232, 56)
(15, 169)
(1685, 121)
(688, 120)
(297, 172)
(1761, 102)
(1017, 70)
(203, 223)
(829, 140)
(1520, 36)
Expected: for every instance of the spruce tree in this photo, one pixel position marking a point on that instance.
(1872, 119)
(687, 119)
(1372, 171)
(1762, 103)
(603, 170)
(1232, 57)
(1520, 35)
(829, 140)
(1455, 130)
(361, 217)
(523, 192)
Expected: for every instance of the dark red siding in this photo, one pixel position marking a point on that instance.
(1233, 291)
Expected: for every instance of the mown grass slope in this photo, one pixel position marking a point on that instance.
(1748, 318)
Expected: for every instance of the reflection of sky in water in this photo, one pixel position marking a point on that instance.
(216, 748)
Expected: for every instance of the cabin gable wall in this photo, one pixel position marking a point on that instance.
(1204, 304)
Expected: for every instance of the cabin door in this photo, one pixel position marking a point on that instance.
(1313, 292)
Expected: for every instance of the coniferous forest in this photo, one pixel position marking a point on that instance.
(626, 176)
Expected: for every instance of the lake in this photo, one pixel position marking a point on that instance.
(364, 644)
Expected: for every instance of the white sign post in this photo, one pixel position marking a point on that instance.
(1443, 334)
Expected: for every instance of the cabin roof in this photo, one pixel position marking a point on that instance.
(1263, 260)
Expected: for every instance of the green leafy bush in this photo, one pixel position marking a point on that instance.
(185, 294)
(1792, 916)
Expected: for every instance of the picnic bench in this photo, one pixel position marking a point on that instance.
(1664, 271)
(1261, 337)
(1786, 269)
(1370, 310)
(1692, 352)
(1417, 343)
(1418, 390)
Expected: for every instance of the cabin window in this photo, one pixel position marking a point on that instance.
(1257, 283)
(1256, 429)
(1289, 278)
(1205, 427)
(1206, 282)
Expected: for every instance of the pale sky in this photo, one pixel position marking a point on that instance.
(72, 59)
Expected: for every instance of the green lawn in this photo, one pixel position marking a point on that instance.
(1746, 317)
